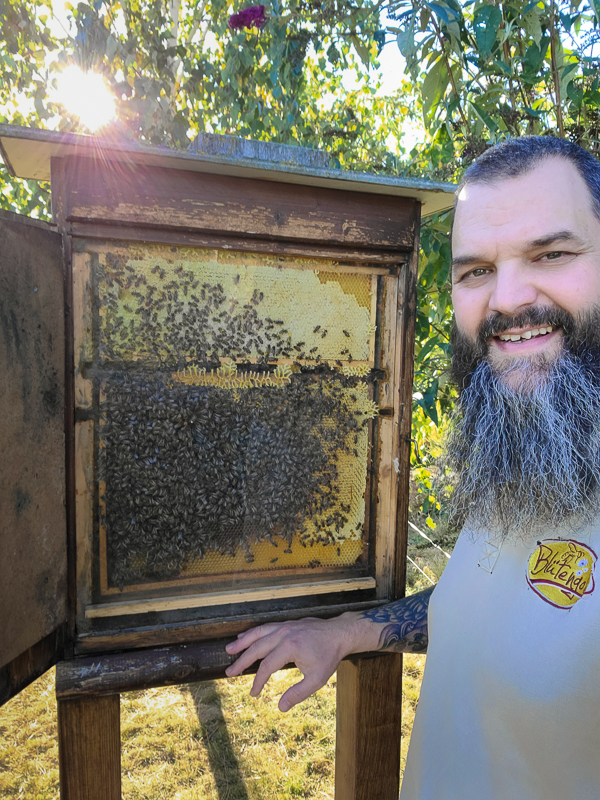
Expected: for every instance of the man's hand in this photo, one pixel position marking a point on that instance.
(316, 646)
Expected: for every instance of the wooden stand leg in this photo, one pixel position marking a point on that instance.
(367, 750)
(89, 748)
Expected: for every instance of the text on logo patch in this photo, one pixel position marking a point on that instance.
(560, 571)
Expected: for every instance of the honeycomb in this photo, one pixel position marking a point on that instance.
(251, 308)
(235, 400)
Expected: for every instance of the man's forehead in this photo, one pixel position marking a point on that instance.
(553, 169)
(548, 198)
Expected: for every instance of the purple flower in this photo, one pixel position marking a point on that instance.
(248, 18)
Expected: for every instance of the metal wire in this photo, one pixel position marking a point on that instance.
(421, 571)
(414, 527)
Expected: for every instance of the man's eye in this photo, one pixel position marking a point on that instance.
(554, 255)
(477, 272)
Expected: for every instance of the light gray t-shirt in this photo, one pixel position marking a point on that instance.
(510, 701)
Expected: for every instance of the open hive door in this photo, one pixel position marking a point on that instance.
(33, 542)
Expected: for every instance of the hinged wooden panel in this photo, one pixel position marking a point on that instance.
(33, 548)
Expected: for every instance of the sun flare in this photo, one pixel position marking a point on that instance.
(86, 95)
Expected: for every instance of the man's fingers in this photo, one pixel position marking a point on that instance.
(277, 644)
(255, 651)
(248, 637)
(276, 660)
(246, 660)
(299, 692)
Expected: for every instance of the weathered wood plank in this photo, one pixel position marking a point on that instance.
(388, 446)
(69, 425)
(84, 511)
(388, 390)
(363, 257)
(160, 198)
(142, 669)
(32, 663)
(227, 625)
(405, 357)
(89, 748)
(219, 582)
(368, 717)
(82, 327)
(226, 598)
(386, 508)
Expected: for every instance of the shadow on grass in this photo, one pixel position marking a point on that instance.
(223, 761)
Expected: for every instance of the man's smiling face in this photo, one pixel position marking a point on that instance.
(521, 245)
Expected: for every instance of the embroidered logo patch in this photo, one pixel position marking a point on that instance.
(560, 571)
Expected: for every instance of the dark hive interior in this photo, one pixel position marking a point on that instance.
(235, 395)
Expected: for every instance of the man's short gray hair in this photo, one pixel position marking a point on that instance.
(515, 157)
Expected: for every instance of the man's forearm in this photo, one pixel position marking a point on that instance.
(401, 625)
(317, 646)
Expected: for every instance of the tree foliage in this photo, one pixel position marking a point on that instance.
(177, 68)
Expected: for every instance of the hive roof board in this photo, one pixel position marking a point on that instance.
(27, 153)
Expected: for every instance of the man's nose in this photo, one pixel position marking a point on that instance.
(513, 291)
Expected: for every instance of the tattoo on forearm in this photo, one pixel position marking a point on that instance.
(406, 631)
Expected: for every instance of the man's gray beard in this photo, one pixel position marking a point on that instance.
(527, 458)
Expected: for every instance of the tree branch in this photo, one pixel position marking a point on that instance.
(555, 77)
(438, 33)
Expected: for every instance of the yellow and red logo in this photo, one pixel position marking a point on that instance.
(560, 571)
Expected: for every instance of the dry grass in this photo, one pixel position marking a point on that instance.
(28, 746)
(212, 741)
(207, 741)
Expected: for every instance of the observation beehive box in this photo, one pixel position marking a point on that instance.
(238, 346)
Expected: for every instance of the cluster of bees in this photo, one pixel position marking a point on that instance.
(185, 320)
(191, 468)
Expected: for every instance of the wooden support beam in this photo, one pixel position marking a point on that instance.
(89, 748)
(367, 749)
(141, 669)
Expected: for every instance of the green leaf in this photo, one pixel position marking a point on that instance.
(567, 74)
(427, 348)
(503, 67)
(443, 272)
(575, 93)
(443, 303)
(111, 47)
(362, 50)
(485, 118)
(592, 98)
(428, 402)
(533, 25)
(442, 11)
(406, 41)
(486, 21)
(533, 4)
(433, 88)
(534, 61)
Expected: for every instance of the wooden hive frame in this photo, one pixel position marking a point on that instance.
(378, 235)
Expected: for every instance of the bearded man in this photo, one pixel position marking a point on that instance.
(512, 630)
